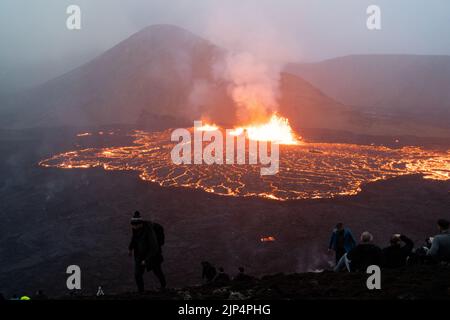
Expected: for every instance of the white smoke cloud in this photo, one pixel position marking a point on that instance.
(253, 85)
(257, 53)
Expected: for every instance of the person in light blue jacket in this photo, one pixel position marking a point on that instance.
(342, 241)
(440, 245)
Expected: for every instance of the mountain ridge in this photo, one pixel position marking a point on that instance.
(167, 72)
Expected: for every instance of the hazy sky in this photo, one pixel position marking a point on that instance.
(35, 44)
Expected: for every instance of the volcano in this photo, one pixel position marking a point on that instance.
(149, 80)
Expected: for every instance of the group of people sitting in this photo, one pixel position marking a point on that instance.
(400, 252)
(211, 276)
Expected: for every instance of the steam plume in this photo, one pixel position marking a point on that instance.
(254, 60)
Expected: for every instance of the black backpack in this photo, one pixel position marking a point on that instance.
(159, 232)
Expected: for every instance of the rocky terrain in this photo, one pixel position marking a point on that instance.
(409, 283)
(54, 218)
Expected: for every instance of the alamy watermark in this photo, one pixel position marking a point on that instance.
(235, 149)
(73, 21)
(374, 19)
(74, 280)
(374, 280)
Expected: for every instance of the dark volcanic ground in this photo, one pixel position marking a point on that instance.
(410, 283)
(52, 218)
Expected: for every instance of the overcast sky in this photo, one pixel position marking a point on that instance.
(35, 44)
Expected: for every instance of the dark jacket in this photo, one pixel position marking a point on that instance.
(364, 255)
(209, 272)
(146, 244)
(243, 277)
(222, 278)
(395, 256)
(349, 240)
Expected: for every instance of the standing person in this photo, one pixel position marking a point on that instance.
(146, 243)
(440, 245)
(342, 241)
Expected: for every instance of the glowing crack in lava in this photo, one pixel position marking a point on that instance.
(307, 170)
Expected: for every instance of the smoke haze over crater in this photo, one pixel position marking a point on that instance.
(303, 30)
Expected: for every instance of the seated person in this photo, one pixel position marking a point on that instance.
(440, 246)
(222, 278)
(242, 276)
(397, 253)
(363, 255)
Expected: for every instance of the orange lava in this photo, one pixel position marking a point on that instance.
(307, 170)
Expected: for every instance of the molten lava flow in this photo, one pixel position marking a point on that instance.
(307, 170)
(277, 130)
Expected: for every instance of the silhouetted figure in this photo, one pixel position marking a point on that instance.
(40, 295)
(222, 278)
(209, 272)
(14, 297)
(146, 243)
(419, 255)
(361, 256)
(440, 245)
(342, 241)
(364, 254)
(397, 253)
(242, 276)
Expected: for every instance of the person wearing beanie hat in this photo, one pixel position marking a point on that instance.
(136, 219)
(146, 242)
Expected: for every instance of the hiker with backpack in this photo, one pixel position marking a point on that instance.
(146, 243)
